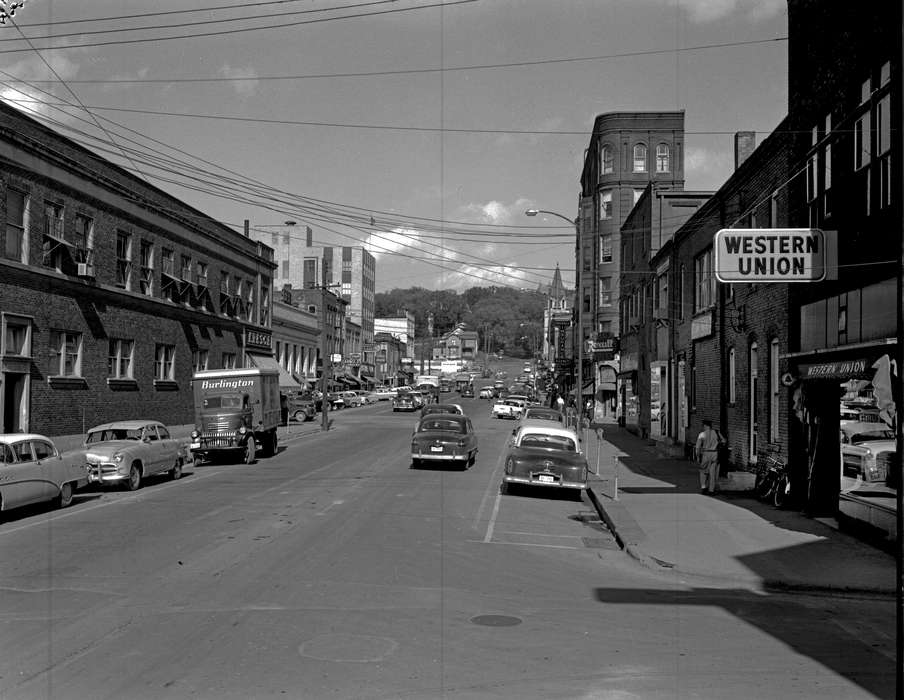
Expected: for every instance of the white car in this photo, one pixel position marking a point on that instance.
(862, 453)
(509, 408)
(127, 452)
(32, 470)
(385, 394)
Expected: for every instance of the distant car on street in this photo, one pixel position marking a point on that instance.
(127, 452)
(467, 391)
(32, 470)
(452, 408)
(406, 401)
(444, 437)
(509, 408)
(545, 455)
(301, 406)
(487, 393)
(385, 393)
(542, 413)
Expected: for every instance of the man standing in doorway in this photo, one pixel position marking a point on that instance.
(706, 450)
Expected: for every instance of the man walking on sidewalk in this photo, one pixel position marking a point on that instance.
(706, 451)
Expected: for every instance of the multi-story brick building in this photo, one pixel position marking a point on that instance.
(401, 327)
(329, 309)
(296, 339)
(644, 318)
(112, 292)
(389, 353)
(627, 152)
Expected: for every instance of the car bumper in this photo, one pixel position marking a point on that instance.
(551, 481)
(437, 457)
(105, 474)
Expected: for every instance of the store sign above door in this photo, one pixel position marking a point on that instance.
(843, 369)
(774, 255)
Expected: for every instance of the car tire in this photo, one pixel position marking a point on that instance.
(176, 471)
(250, 451)
(472, 457)
(503, 489)
(133, 483)
(299, 416)
(415, 463)
(65, 497)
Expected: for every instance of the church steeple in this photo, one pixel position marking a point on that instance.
(556, 295)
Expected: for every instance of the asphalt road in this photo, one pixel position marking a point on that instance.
(333, 570)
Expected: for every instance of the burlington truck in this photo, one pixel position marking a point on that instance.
(236, 412)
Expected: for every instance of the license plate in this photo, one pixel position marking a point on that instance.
(546, 479)
(435, 448)
(195, 445)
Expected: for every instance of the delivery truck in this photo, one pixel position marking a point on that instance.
(237, 412)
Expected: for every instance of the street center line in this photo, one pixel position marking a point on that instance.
(492, 523)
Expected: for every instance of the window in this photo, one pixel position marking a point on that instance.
(637, 195)
(640, 158)
(680, 294)
(119, 358)
(704, 281)
(812, 168)
(249, 301)
(201, 274)
(606, 249)
(284, 272)
(53, 220)
(827, 156)
(861, 142)
(16, 211)
(123, 259)
(66, 353)
(773, 210)
(608, 160)
(885, 73)
(883, 125)
(265, 302)
(164, 362)
(168, 262)
(865, 91)
(606, 205)
(199, 360)
(224, 282)
(774, 390)
(274, 239)
(586, 303)
(309, 275)
(185, 268)
(662, 295)
(662, 158)
(228, 360)
(146, 263)
(16, 336)
(605, 291)
(732, 388)
(83, 239)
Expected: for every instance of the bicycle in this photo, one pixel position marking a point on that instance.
(773, 480)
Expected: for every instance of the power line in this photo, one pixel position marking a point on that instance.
(282, 25)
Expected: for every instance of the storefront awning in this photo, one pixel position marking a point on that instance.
(286, 380)
(859, 368)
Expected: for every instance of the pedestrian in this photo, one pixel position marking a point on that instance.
(706, 450)
(560, 403)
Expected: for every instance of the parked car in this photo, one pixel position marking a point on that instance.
(467, 391)
(127, 452)
(541, 454)
(385, 393)
(369, 397)
(863, 448)
(302, 406)
(487, 393)
(452, 408)
(444, 437)
(32, 470)
(508, 408)
(336, 400)
(543, 413)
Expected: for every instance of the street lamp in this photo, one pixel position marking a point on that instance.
(579, 388)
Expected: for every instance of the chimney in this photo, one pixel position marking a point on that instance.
(309, 239)
(744, 145)
(247, 228)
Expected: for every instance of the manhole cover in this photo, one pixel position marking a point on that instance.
(496, 620)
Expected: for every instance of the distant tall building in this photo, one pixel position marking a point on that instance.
(350, 271)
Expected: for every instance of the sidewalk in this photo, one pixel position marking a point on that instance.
(662, 520)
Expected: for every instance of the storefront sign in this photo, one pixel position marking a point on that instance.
(255, 338)
(843, 369)
(770, 255)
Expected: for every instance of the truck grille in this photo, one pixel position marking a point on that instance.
(217, 424)
(217, 439)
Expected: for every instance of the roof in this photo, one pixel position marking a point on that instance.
(451, 416)
(7, 438)
(547, 428)
(127, 424)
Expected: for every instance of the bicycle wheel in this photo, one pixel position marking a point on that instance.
(780, 492)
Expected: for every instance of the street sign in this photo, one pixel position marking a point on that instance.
(770, 255)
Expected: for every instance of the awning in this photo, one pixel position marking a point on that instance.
(367, 378)
(859, 368)
(286, 380)
(349, 379)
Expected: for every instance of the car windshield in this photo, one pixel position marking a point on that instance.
(108, 434)
(551, 442)
(544, 415)
(446, 426)
(872, 435)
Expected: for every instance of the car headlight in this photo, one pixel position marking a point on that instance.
(195, 434)
(117, 458)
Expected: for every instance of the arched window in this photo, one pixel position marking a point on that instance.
(640, 158)
(663, 156)
(608, 160)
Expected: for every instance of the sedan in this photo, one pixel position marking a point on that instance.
(487, 393)
(862, 448)
(32, 470)
(385, 394)
(545, 455)
(541, 413)
(444, 437)
(452, 408)
(126, 452)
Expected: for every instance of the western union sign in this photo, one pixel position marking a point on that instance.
(770, 255)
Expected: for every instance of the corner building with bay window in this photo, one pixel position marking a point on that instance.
(112, 292)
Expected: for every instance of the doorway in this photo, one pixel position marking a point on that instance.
(752, 416)
(15, 403)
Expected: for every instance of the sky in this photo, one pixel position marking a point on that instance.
(421, 129)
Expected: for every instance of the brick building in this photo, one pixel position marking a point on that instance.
(113, 292)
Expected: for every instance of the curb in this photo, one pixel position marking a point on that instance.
(630, 537)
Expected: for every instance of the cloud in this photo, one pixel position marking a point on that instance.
(399, 240)
(706, 168)
(500, 275)
(31, 100)
(703, 11)
(496, 212)
(243, 87)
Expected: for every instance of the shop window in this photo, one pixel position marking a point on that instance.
(119, 358)
(16, 217)
(65, 353)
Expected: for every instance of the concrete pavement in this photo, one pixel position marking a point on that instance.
(662, 520)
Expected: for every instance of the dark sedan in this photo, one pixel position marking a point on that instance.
(444, 437)
(548, 455)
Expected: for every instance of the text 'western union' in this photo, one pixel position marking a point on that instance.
(771, 254)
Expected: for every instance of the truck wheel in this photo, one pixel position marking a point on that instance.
(250, 450)
(274, 444)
